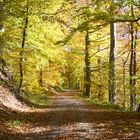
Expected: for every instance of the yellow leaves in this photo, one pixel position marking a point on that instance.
(128, 46)
(54, 5)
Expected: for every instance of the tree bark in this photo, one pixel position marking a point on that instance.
(1, 28)
(100, 93)
(124, 86)
(112, 65)
(87, 82)
(132, 70)
(41, 78)
(124, 80)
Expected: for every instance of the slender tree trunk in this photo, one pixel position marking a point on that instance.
(124, 86)
(21, 52)
(132, 70)
(87, 82)
(77, 85)
(100, 94)
(41, 78)
(112, 65)
(124, 80)
(2, 62)
(1, 29)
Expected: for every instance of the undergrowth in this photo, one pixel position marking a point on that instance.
(16, 123)
(100, 104)
(38, 98)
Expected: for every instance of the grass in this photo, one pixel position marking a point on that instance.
(40, 99)
(104, 105)
(107, 105)
(100, 104)
(16, 123)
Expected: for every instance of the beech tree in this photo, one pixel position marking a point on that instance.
(132, 69)
(72, 44)
(87, 86)
(112, 61)
(22, 46)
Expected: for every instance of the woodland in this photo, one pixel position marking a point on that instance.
(84, 48)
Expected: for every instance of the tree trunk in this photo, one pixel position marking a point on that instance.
(112, 65)
(132, 70)
(100, 93)
(41, 78)
(21, 52)
(78, 84)
(1, 29)
(87, 82)
(124, 84)
(124, 80)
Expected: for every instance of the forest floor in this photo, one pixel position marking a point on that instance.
(69, 118)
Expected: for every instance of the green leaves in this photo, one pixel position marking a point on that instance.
(39, 52)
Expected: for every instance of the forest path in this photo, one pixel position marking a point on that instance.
(68, 118)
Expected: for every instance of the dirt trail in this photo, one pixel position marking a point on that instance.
(70, 119)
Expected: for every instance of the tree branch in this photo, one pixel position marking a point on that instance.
(98, 52)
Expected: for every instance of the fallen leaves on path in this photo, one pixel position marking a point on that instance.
(70, 119)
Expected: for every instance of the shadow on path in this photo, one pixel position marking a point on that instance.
(69, 118)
